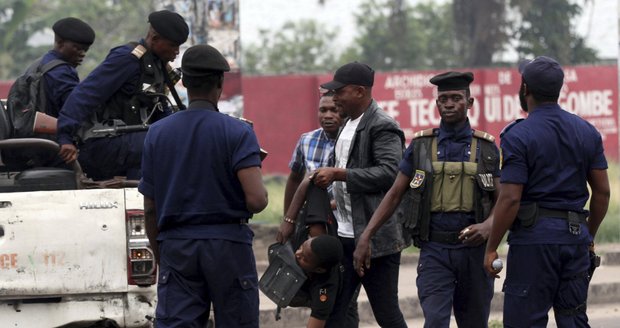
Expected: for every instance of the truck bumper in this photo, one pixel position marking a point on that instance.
(126, 309)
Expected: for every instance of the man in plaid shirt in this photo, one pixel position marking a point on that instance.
(314, 147)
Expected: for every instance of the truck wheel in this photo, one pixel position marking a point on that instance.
(105, 323)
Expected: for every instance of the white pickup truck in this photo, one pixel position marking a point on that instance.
(70, 257)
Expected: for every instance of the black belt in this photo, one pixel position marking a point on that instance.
(562, 214)
(445, 237)
(227, 221)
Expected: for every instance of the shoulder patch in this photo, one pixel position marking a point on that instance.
(424, 133)
(483, 135)
(509, 126)
(138, 51)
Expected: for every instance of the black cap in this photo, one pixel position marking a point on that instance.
(327, 249)
(75, 30)
(354, 73)
(543, 75)
(449, 81)
(202, 60)
(170, 25)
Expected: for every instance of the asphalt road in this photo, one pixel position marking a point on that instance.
(600, 315)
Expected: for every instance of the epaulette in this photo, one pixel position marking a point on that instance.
(483, 135)
(509, 126)
(425, 133)
(138, 51)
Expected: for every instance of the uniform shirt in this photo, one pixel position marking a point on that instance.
(319, 293)
(452, 146)
(311, 152)
(343, 199)
(59, 82)
(550, 153)
(189, 166)
(119, 72)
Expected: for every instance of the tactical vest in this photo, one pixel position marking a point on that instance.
(425, 196)
(139, 107)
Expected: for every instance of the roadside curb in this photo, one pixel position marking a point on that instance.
(410, 306)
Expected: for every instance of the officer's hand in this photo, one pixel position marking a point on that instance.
(284, 232)
(361, 255)
(489, 257)
(323, 177)
(475, 234)
(68, 153)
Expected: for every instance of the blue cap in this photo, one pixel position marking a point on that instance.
(542, 75)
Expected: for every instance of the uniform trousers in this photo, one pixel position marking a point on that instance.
(107, 157)
(454, 278)
(195, 273)
(539, 277)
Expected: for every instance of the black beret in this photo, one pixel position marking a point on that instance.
(202, 60)
(449, 81)
(75, 30)
(170, 25)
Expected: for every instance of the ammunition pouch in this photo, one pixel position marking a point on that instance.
(283, 277)
(417, 207)
(453, 186)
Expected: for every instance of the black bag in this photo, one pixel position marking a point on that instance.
(27, 96)
(283, 276)
(316, 209)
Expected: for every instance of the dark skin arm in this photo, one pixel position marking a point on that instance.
(68, 153)
(292, 184)
(477, 234)
(255, 193)
(315, 323)
(150, 219)
(286, 228)
(504, 214)
(326, 175)
(599, 202)
(361, 255)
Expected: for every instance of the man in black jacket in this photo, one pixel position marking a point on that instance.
(364, 165)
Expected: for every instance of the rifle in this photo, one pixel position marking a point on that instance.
(119, 129)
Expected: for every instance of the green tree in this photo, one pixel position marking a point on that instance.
(387, 37)
(115, 22)
(393, 35)
(302, 46)
(481, 29)
(545, 28)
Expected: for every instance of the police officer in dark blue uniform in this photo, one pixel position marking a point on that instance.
(201, 183)
(549, 159)
(448, 177)
(72, 39)
(128, 88)
(320, 258)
